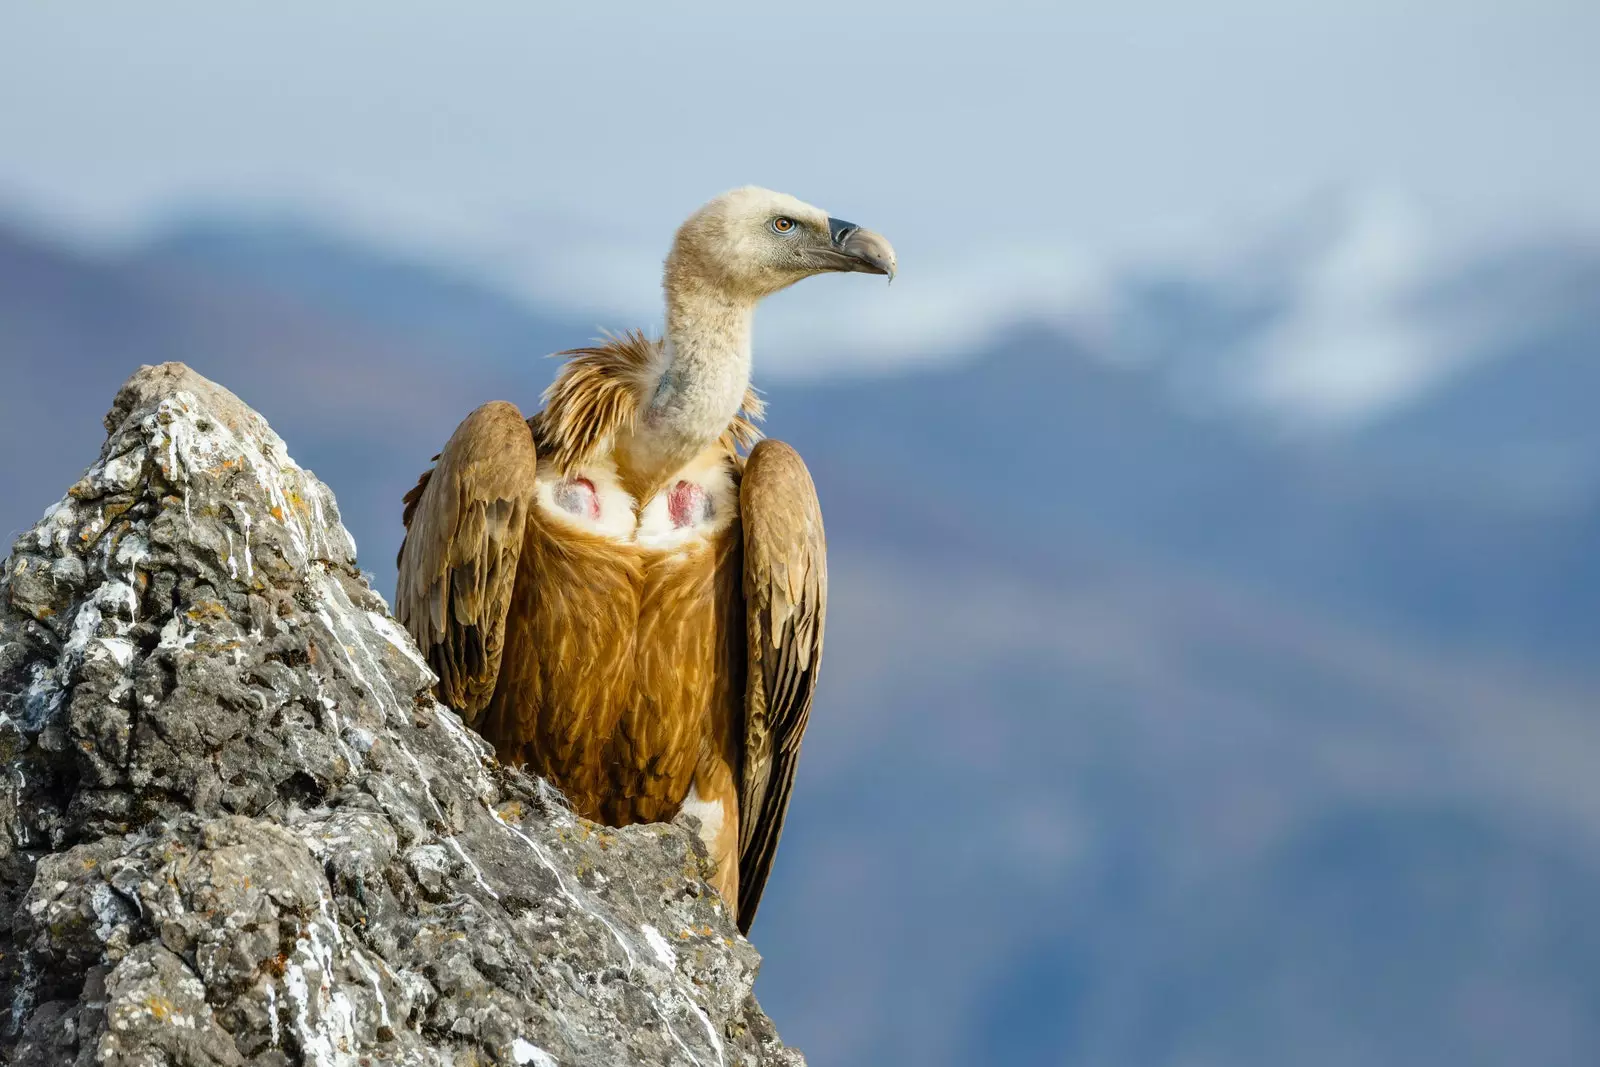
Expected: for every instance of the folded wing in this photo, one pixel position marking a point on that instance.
(786, 595)
(465, 524)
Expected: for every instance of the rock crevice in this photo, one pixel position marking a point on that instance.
(236, 828)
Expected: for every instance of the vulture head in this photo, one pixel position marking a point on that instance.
(752, 242)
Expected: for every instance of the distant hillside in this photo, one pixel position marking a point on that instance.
(422, 303)
(1518, 420)
(75, 324)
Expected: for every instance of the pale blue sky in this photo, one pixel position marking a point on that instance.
(1014, 152)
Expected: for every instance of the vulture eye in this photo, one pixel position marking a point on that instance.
(782, 225)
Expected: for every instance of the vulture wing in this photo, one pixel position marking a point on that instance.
(465, 523)
(786, 594)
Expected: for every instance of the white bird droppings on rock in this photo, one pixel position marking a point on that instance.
(658, 945)
(527, 1052)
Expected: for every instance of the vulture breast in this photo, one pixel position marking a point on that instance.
(622, 679)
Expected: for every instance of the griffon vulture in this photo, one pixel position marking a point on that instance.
(609, 591)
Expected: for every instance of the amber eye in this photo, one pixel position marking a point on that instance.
(782, 225)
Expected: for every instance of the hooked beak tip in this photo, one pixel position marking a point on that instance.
(868, 252)
(874, 254)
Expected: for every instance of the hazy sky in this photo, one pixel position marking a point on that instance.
(1011, 151)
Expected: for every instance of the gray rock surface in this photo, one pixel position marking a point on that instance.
(235, 827)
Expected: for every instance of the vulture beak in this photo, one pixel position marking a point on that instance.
(855, 249)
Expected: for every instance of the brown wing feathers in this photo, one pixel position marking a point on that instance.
(465, 523)
(786, 593)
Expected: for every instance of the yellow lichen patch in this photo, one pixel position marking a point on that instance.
(162, 1008)
(205, 609)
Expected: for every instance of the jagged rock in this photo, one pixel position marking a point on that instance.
(237, 828)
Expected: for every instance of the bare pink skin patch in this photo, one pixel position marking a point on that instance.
(578, 497)
(688, 504)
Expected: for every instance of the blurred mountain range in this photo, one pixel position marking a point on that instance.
(1168, 718)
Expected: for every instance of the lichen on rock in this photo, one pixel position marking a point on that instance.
(236, 828)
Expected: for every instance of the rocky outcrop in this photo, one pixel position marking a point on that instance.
(236, 828)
